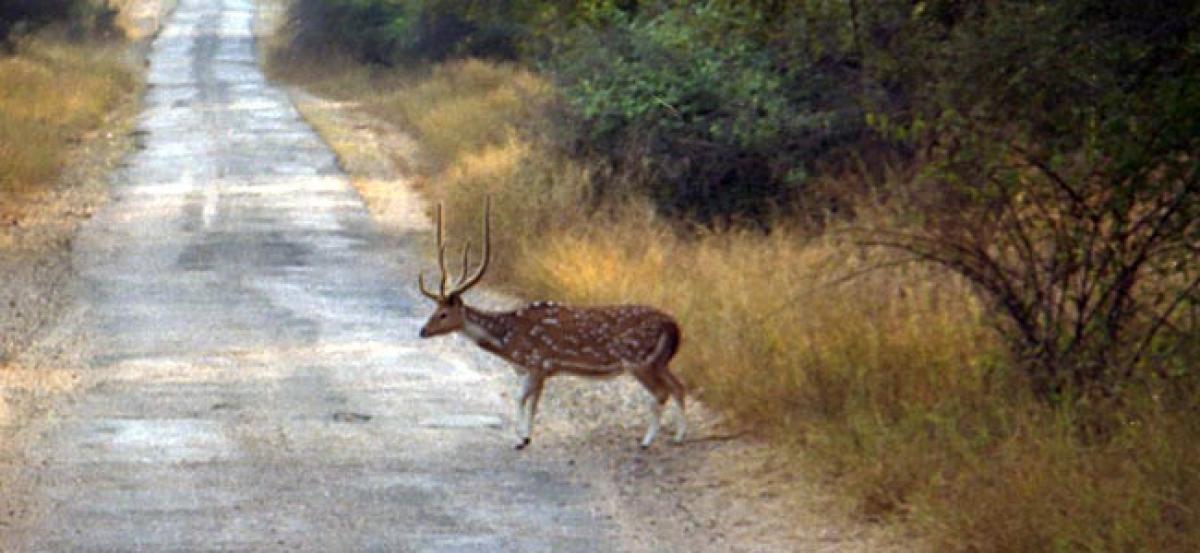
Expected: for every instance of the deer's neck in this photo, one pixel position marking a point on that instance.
(491, 331)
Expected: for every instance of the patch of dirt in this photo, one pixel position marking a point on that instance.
(721, 490)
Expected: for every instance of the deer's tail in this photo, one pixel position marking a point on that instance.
(669, 349)
(674, 337)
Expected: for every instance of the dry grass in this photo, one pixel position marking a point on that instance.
(455, 109)
(816, 343)
(466, 106)
(471, 118)
(1040, 487)
(888, 378)
(56, 96)
(822, 341)
(54, 93)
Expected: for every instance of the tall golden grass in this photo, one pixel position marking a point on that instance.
(887, 377)
(54, 93)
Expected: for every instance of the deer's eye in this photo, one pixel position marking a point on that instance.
(442, 316)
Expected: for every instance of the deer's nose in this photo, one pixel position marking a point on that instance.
(424, 332)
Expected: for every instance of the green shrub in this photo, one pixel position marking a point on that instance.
(711, 120)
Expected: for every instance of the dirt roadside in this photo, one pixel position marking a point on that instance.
(39, 315)
(720, 491)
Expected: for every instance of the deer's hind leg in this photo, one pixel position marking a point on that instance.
(660, 392)
(679, 393)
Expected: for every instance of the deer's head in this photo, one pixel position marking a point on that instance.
(449, 316)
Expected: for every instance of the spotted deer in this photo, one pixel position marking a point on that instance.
(544, 339)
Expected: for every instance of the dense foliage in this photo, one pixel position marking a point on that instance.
(81, 16)
(715, 123)
(1053, 143)
(389, 31)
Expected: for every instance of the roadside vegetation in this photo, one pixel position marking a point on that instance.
(67, 82)
(945, 252)
(64, 72)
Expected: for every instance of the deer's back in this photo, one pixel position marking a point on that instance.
(598, 337)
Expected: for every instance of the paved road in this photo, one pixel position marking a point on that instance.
(258, 383)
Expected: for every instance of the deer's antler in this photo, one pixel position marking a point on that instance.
(464, 282)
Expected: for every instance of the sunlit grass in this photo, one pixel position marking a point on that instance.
(469, 105)
(780, 329)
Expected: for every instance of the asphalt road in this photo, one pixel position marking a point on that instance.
(255, 381)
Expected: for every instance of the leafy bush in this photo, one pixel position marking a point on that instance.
(710, 120)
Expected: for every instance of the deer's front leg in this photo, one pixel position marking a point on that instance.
(535, 396)
(522, 434)
(531, 392)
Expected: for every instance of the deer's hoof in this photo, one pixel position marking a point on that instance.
(643, 446)
(522, 444)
